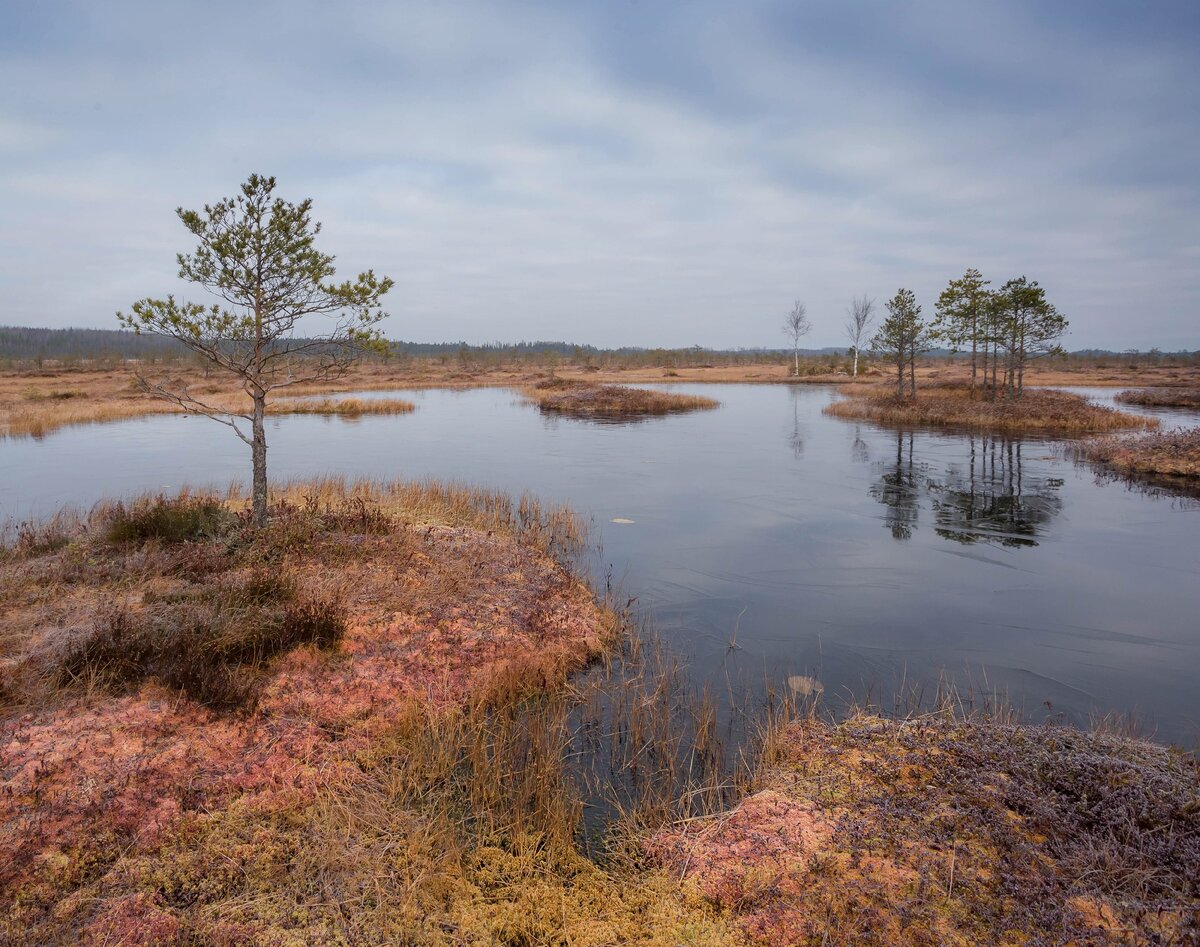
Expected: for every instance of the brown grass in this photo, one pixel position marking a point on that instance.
(343, 407)
(1161, 453)
(584, 400)
(36, 402)
(1039, 411)
(1162, 397)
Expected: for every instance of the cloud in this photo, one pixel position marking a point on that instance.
(616, 173)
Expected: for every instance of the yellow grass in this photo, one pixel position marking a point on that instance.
(343, 407)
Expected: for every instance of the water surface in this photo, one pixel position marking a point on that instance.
(768, 540)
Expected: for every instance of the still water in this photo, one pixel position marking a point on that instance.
(768, 540)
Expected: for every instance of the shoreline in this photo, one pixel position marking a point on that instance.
(440, 721)
(38, 402)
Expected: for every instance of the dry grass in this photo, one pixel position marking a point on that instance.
(585, 400)
(38, 402)
(426, 768)
(343, 407)
(1171, 454)
(399, 774)
(1038, 412)
(944, 830)
(1162, 397)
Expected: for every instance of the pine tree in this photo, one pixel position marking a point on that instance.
(257, 255)
(902, 337)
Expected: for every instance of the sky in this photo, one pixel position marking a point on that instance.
(615, 172)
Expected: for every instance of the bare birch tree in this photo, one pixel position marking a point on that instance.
(256, 255)
(861, 313)
(796, 326)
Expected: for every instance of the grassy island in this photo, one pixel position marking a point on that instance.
(584, 400)
(1161, 397)
(1166, 454)
(1037, 411)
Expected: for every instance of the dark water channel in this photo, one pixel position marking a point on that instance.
(860, 558)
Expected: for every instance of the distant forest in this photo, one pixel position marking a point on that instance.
(30, 344)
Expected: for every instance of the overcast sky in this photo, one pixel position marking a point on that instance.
(613, 172)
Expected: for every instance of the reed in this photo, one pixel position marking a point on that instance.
(1037, 412)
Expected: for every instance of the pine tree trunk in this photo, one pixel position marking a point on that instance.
(259, 449)
(900, 374)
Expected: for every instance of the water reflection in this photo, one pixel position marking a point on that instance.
(796, 438)
(987, 498)
(899, 488)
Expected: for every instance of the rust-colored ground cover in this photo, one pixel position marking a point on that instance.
(941, 831)
(448, 595)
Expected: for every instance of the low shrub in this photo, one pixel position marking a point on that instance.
(212, 644)
(184, 519)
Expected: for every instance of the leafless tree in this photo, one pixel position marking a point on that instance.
(796, 326)
(861, 314)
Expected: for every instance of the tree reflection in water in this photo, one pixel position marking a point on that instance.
(989, 498)
(899, 488)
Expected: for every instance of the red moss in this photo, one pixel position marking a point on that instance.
(127, 767)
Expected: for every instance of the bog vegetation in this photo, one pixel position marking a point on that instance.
(1042, 411)
(1169, 454)
(616, 402)
(1162, 397)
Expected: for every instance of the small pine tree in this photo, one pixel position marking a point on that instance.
(257, 256)
(902, 337)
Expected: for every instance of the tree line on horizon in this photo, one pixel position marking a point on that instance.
(1003, 329)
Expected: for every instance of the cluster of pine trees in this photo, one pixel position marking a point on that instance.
(1003, 329)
